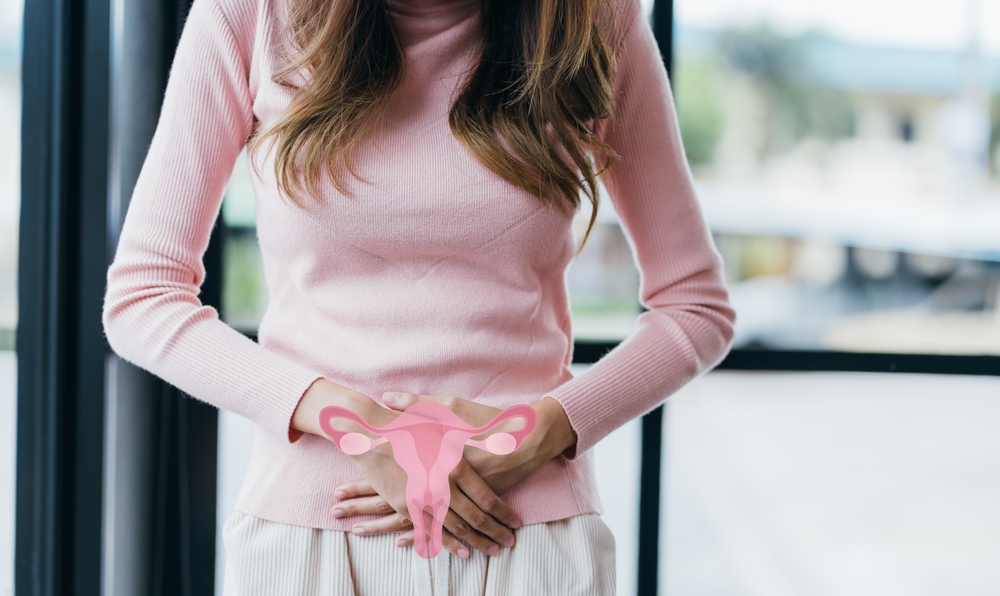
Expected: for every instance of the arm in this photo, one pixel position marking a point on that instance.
(688, 327)
(152, 314)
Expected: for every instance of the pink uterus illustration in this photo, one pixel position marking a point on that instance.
(427, 441)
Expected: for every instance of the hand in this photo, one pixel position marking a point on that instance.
(552, 436)
(476, 514)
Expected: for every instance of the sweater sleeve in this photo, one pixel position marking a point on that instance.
(152, 315)
(688, 325)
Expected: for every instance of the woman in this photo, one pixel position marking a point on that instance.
(417, 165)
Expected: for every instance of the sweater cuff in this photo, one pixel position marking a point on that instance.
(262, 385)
(299, 383)
(277, 394)
(628, 382)
(580, 399)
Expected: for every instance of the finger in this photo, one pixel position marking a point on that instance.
(406, 539)
(454, 545)
(482, 523)
(351, 490)
(398, 400)
(464, 531)
(362, 506)
(448, 542)
(473, 485)
(382, 525)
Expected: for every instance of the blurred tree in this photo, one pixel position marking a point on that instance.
(798, 105)
(244, 293)
(699, 108)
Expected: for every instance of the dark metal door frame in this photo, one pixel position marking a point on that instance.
(79, 163)
(62, 261)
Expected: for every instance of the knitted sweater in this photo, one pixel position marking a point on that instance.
(433, 275)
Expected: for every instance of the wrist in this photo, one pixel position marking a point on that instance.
(325, 393)
(557, 435)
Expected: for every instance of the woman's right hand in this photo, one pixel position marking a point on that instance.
(465, 518)
(471, 498)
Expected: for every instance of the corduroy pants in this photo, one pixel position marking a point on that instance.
(568, 557)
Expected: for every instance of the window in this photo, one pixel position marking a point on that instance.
(832, 483)
(848, 165)
(845, 155)
(10, 196)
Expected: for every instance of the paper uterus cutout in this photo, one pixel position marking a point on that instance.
(427, 440)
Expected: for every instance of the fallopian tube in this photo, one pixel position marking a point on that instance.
(427, 440)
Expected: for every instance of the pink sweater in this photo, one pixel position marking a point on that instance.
(436, 277)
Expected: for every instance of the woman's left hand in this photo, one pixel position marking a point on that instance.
(551, 437)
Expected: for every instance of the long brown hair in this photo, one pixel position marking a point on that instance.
(542, 81)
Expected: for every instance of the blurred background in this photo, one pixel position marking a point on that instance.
(846, 155)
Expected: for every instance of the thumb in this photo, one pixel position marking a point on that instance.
(400, 401)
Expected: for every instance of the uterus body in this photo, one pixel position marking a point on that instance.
(427, 441)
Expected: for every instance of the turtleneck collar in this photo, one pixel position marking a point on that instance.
(431, 7)
(420, 20)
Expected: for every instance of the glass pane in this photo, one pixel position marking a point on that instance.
(603, 281)
(233, 458)
(617, 458)
(244, 292)
(846, 156)
(10, 203)
(833, 484)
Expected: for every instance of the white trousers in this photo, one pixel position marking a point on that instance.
(568, 557)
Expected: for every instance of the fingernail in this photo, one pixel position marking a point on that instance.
(401, 542)
(339, 494)
(517, 524)
(509, 542)
(463, 554)
(337, 512)
(390, 397)
(492, 550)
(358, 531)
